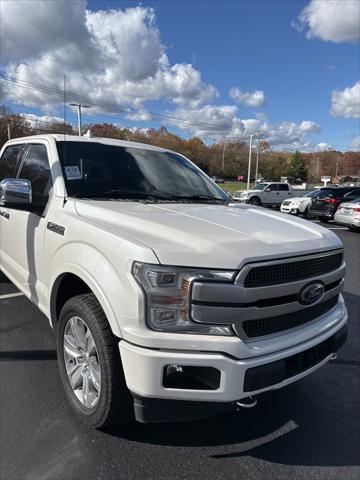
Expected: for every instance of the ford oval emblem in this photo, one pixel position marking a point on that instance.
(311, 293)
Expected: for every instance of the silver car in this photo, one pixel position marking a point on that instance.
(348, 214)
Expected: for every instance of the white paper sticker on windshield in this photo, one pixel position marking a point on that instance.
(73, 173)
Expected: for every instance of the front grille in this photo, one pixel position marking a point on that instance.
(292, 271)
(267, 326)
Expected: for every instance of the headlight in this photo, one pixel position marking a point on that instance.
(167, 291)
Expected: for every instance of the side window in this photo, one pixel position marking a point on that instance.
(353, 194)
(9, 162)
(272, 187)
(35, 167)
(283, 187)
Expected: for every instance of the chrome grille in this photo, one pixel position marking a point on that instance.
(279, 323)
(266, 275)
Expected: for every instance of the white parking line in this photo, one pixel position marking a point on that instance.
(11, 295)
(337, 228)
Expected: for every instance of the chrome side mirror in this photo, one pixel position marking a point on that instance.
(15, 191)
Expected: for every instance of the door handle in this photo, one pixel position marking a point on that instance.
(4, 214)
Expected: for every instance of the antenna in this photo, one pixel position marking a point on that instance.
(64, 106)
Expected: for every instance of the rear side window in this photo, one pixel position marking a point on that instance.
(330, 193)
(9, 161)
(283, 187)
(35, 167)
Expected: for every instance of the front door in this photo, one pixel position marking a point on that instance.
(22, 239)
(270, 194)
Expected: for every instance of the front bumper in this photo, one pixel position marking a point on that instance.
(239, 378)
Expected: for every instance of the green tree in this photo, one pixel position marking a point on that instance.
(298, 167)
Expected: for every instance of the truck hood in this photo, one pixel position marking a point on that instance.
(209, 236)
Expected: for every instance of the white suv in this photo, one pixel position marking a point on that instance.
(168, 301)
(297, 205)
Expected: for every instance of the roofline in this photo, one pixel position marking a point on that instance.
(73, 138)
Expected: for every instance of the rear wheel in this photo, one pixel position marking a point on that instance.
(255, 201)
(90, 364)
(306, 212)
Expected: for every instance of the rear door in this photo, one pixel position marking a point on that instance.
(283, 192)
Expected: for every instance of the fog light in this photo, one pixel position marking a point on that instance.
(191, 378)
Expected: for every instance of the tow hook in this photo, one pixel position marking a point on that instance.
(333, 356)
(248, 402)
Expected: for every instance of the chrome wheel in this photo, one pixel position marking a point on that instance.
(82, 362)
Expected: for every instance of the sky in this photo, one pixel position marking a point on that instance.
(213, 69)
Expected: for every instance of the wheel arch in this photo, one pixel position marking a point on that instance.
(72, 281)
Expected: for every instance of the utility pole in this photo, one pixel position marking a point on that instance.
(249, 166)
(257, 157)
(223, 159)
(79, 107)
(8, 131)
(337, 166)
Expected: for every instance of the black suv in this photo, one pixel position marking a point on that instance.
(326, 202)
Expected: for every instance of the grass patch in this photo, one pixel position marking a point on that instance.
(234, 186)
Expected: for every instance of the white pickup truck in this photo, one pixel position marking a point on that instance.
(265, 193)
(168, 301)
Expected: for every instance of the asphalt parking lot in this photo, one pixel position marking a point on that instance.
(309, 430)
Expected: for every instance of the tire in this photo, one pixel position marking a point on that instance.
(324, 220)
(255, 201)
(306, 212)
(98, 369)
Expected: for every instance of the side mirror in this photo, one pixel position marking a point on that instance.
(15, 191)
(267, 189)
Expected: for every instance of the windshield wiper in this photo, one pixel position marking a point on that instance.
(206, 198)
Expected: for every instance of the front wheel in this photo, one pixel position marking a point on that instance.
(90, 364)
(255, 201)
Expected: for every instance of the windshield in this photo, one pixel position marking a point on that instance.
(95, 170)
(260, 186)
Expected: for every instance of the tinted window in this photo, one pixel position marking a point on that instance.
(315, 193)
(330, 193)
(353, 193)
(98, 170)
(356, 200)
(9, 162)
(283, 187)
(35, 168)
(272, 187)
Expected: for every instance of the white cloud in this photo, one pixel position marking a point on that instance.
(112, 58)
(250, 99)
(335, 21)
(41, 120)
(211, 122)
(346, 103)
(323, 147)
(355, 144)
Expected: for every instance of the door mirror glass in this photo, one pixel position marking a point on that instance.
(15, 191)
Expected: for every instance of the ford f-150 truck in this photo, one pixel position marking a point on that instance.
(265, 193)
(169, 301)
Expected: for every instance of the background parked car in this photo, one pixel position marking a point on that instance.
(348, 214)
(217, 179)
(327, 201)
(266, 193)
(297, 205)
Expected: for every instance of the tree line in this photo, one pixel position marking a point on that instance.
(228, 159)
